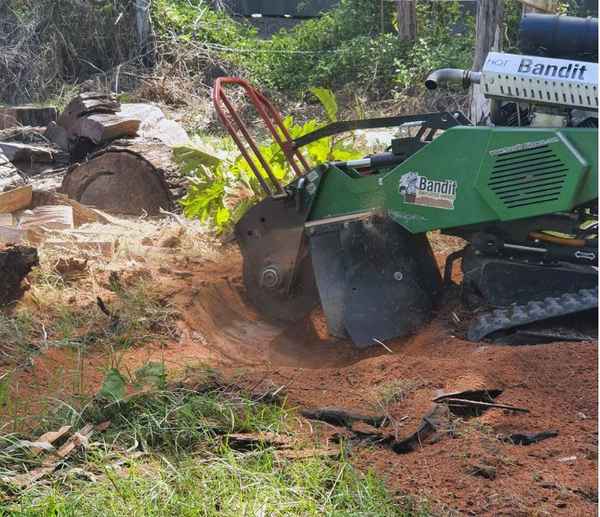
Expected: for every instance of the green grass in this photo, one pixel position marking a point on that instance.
(184, 465)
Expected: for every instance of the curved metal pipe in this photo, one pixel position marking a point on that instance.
(450, 76)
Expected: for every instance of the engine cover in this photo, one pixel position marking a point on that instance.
(540, 80)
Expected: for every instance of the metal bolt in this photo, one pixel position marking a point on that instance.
(270, 277)
(398, 276)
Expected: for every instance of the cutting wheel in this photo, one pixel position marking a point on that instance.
(276, 303)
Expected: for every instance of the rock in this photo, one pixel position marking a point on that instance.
(154, 124)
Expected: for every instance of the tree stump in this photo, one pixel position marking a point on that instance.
(15, 264)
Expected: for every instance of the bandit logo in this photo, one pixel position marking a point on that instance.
(420, 190)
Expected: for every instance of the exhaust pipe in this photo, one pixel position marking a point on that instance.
(445, 76)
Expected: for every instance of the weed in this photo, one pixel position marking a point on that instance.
(189, 468)
(395, 391)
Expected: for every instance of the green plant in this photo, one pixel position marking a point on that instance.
(221, 190)
(436, 46)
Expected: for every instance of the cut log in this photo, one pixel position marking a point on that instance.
(15, 264)
(9, 175)
(24, 134)
(26, 116)
(87, 104)
(101, 128)
(161, 158)
(57, 135)
(81, 214)
(121, 181)
(15, 199)
(17, 152)
(57, 217)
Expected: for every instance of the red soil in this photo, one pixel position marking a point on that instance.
(557, 382)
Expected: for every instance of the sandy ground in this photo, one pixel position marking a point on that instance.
(556, 382)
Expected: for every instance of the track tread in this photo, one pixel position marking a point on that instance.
(535, 310)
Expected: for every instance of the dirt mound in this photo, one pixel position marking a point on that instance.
(470, 466)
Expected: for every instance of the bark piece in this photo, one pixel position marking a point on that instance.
(101, 128)
(426, 430)
(301, 454)
(15, 199)
(247, 440)
(51, 437)
(26, 116)
(9, 174)
(15, 264)
(118, 181)
(341, 417)
(528, 438)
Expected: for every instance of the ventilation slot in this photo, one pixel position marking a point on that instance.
(528, 177)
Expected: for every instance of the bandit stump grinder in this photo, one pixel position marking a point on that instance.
(521, 190)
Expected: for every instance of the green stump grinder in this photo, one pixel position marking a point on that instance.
(521, 188)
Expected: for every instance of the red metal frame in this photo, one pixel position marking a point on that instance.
(272, 119)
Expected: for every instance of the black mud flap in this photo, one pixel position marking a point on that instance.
(376, 281)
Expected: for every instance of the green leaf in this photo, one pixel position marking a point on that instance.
(113, 386)
(153, 374)
(222, 217)
(327, 99)
(191, 157)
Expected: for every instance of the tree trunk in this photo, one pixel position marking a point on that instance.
(539, 6)
(407, 19)
(145, 32)
(488, 36)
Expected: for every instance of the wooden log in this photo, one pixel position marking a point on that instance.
(17, 152)
(119, 181)
(24, 134)
(57, 135)
(81, 213)
(15, 264)
(101, 128)
(26, 116)
(56, 217)
(87, 104)
(15, 199)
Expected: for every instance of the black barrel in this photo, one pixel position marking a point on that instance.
(562, 37)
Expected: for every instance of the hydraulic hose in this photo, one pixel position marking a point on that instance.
(445, 76)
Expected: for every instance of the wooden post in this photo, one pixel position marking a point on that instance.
(488, 36)
(406, 14)
(145, 32)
